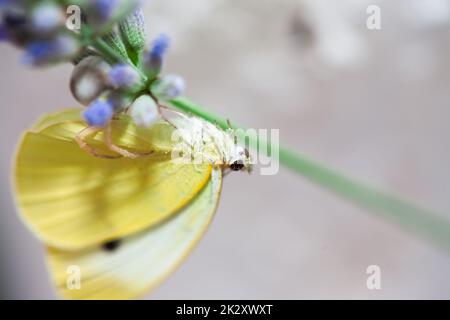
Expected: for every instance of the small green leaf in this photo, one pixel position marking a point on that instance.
(114, 40)
(134, 32)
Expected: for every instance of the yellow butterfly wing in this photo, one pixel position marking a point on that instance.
(66, 124)
(141, 261)
(72, 114)
(73, 200)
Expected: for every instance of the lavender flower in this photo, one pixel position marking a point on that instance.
(153, 61)
(15, 25)
(14, 17)
(4, 3)
(37, 27)
(42, 52)
(38, 53)
(105, 8)
(99, 113)
(119, 100)
(144, 111)
(169, 87)
(66, 47)
(160, 46)
(124, 76)
(47, 17)
(3, 32)
(88, 79)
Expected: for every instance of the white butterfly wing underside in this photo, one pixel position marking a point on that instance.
(141, 261)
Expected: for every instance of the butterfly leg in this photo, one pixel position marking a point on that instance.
(220, 153)
(81, 137)
(226, 172)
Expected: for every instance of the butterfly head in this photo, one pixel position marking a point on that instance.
(240, 160)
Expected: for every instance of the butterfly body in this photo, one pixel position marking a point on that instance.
(213, 144)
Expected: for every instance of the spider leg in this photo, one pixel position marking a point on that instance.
(160, 106)
(172, 110)
(220, 152)
(81, 137)
(115, 148)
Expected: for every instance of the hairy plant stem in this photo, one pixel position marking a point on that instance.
(419, 221)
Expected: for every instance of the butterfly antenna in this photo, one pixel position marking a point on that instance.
(230, 127)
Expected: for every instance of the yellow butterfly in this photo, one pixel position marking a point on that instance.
(115, 228)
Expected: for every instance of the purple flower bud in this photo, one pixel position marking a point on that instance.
(124, 76)
(88, 79)
(15, 25)
(66, 47)
(3, 33)
(120, 100)
(160, 46)
(46, 17)
(62, 47)
(14, 17)
(105, 8)
(169, 87)
(4, 3)
(99, 113)
(153, 61)
(38, 52)
(144, 111)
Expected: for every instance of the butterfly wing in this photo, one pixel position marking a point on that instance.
(141, 261)
(73, 200)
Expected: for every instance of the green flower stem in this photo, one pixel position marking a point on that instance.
(419, 221)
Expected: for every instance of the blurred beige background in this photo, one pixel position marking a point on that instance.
(374, 104)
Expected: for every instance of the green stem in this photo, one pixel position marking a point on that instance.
(419, 221)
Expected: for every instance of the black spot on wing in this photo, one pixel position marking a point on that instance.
(112, 245)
